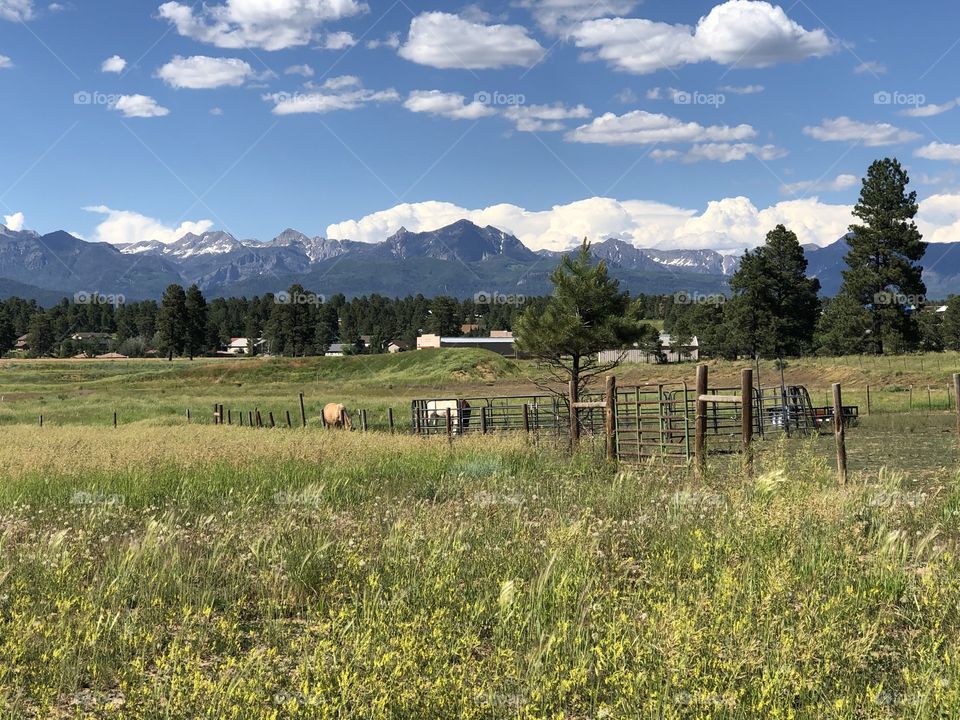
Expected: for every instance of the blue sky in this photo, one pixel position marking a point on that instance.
(693, 124)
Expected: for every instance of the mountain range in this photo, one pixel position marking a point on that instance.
(461, 259)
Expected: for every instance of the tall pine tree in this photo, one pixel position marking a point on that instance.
(775, 305)
(172, 322)
(195, 335)
(883, 273)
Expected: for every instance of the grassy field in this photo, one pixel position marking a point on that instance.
(166, 570)
(69, 392)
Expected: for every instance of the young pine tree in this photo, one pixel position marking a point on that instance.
(587, 313)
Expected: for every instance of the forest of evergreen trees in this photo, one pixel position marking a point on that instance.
(184, 323)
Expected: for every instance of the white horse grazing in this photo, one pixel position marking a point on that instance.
(459, 414)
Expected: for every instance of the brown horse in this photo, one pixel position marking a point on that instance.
(335, 415)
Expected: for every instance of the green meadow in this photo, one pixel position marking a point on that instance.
(162, 569)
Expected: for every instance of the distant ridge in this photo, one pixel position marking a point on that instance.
(460, 259)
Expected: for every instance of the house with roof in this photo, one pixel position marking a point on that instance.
(670, 352)
(500, 341)
(241, 346)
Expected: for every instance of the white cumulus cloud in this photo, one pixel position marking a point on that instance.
(739, 33)
(5, 62)
(338, 41)
(443, 40)
(721, 152)
(204, 73)
(126, 226)
(939, 218)
(139, 106)
(392, 40)
(268, 24)
(930, 110)
(113, 64)
(16, 10)
(843, 129)
(840, 182)
(339, 93)
(728, 225)
(304, 70)
(559, 16)
(449, 105)
(14, 222)
(545, 118)
(939, 151)
(642, 128)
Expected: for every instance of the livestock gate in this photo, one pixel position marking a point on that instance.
(655, 420)
(543, 413)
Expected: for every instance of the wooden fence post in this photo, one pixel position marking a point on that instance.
(449, 426)
(303, 412)
(288, 419)
(746, 416)
(216, 414)
(700, 422)
(483, 420)
(270, 415)
(839, 435)
(114, 418)
(363, 421)
(574, 417)
(390, 420)
(41, 421)
(868, 399)
(610, 417)
(259, 418)
(956, 395)
(188, 415)
(250, 418)
(526, 418)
